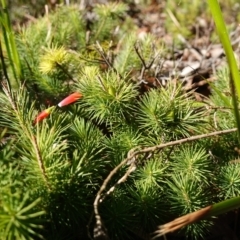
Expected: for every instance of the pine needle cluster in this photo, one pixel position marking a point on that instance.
(51, 172)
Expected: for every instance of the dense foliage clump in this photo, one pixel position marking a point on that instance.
(51, 172)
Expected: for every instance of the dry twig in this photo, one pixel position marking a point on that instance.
(131, 158)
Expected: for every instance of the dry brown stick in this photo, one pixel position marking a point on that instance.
(133, 154)
(99, 223)
(184, 140)
(103, 187)
(219, 107)
(145, 66)
(121, 180)
(103, 55)
(140, 56)
(199, 84)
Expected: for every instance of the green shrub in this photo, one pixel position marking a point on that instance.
(52, 171)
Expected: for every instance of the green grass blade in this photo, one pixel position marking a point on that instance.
(224, 206)
(234, 73)
(10, 44)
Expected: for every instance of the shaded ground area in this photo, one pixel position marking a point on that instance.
(193, 53)
(193, 59)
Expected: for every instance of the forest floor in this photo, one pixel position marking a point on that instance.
(186, 29)
(195, 53)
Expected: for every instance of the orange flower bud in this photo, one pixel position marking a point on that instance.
(44, 114)
(70, 99)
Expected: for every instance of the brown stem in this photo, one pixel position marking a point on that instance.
(131, 158)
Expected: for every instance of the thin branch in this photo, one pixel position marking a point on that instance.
(184, 140)
(101, 83)
(65, 71)
(121, 180)
(142, 74)
(220, 108)
(199, 84)
(140, 56)
(7, 90)
(131, 158)
(40, 161)
(99, 223)
(104, 56)
(145, 66)
(29, 134)
(95, 60)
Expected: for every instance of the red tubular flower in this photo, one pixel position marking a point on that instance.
(70, 99)
(44, 114)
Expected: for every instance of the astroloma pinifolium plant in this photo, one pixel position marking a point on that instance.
(85, 151)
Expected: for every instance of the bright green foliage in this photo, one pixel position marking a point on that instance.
(18, 218)
(148, 206)
(188, 195)
(108, 17)
(20, 211)
(177, 11)
(50, 173)
(169, 113)
(234, 76)
(107, 98)
(221, 103)
(152, 173)
(127, 58)
(229, 180)
(196, 163)
(7, 36)
(53, 59)
(121, 141)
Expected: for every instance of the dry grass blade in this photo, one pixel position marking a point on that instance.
(181, 222)
(132, 154)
